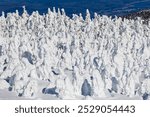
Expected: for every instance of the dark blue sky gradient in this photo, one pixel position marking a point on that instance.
(103, 7)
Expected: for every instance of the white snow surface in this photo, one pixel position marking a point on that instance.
(52, 56)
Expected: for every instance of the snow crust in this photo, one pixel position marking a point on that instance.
(73, 58)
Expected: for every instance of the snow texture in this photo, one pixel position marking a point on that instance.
(74, 58)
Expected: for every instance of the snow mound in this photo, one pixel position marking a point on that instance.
(4, 84)
(74, 57)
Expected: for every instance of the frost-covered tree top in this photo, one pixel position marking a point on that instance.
(111, 54)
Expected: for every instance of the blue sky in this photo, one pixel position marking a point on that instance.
(108, 7)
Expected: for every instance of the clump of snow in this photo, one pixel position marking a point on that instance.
(76, 57)
(4, 84)
(31, 89)
(146, 87)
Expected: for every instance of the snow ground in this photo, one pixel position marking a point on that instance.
(52, 56)
(7, 95)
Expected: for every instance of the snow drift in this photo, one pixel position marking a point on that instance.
(74, 57)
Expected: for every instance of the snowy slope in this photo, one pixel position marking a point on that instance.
(54, 56)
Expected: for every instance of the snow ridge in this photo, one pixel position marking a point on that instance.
(72, 57)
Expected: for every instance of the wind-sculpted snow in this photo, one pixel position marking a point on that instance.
(74, 57)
